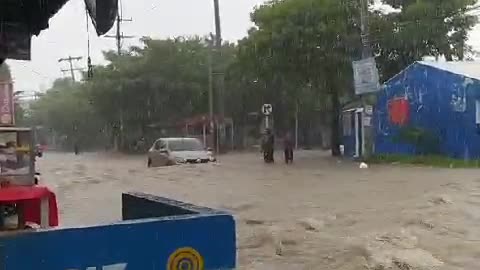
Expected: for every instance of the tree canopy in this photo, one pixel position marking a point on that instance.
(297, 56)
(421, 28)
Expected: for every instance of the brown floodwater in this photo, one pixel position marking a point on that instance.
(318, 213)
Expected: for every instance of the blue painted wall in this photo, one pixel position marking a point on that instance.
(440, 101)
(133, 245)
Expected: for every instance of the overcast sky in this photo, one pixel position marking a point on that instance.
(67, 35)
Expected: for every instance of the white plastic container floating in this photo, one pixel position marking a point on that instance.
(363, 165)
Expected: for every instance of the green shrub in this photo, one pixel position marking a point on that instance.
(425, 160)
(424, 141)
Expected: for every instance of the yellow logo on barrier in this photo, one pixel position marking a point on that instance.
(185, 259)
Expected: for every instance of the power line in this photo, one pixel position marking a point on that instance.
(219, 72)
(210, 86)
(70, 60)
(89, 59)
(364, 29)
(119, 36)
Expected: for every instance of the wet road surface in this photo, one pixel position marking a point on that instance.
(318, 213)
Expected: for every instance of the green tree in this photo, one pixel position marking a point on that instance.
(421, 28)
(162, 81)
(297, 56)
(302, 51)
(65, 109)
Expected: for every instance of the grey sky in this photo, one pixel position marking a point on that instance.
(67, 34)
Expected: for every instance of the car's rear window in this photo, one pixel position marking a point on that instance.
(185, 145)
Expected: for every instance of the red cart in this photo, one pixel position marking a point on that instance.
(23, 203)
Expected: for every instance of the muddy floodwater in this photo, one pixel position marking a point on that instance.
(318, 213)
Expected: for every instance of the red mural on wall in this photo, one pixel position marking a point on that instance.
(399, 111)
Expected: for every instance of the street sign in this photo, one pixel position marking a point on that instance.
(267, 109)
(365, 76)
(367, 121)
(369, 109)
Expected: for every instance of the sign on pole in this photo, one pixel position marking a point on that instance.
(368, 109)
(267, 109)
(365, 76)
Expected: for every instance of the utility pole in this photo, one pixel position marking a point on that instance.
(210, 88)
(366, 50)
(296, 124)
(367, 130)
(219, 72)
(119, 36)
(70, 61)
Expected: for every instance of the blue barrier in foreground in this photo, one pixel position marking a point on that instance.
(156, 233)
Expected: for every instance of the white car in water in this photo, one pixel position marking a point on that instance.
(171, 151)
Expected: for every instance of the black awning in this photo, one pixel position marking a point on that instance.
(19, 20)
(34, 15)
(103, 14)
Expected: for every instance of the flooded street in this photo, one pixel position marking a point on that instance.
(318, 213)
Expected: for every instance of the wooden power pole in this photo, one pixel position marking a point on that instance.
(365, 33)
(119, 36)
(219, 73)
(70, 60)
(366, 53)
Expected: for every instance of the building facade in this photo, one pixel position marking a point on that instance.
(430, 108)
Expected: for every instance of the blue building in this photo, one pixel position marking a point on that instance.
(441, 99)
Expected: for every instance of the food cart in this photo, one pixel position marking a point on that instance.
(23, 203)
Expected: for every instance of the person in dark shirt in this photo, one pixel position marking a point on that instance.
(268, 146)
(76, 149)
(288, 148)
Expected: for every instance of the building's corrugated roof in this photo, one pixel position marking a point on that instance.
(469, 69)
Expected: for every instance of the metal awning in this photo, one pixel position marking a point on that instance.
(103, 14)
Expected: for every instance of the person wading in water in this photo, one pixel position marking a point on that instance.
(76, 149)
(268, 146)
(288, 148)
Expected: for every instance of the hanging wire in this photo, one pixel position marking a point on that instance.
(120, 10)
(89, 60)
